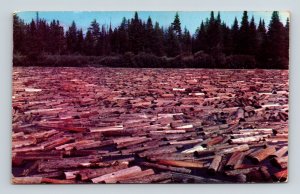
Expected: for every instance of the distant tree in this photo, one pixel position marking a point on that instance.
(227, 39)
(287, 36)
(136, 34)
(88, 45)
(80, 41)
(214, 35)
(277, 43)
(262, 53)
(158, 38)
(244, 35)
(19, 35)
(201, 38)
(235, 31)
(71, 38)
(123, 37)
(176, 26)
(56, 35)
(252, 38)
(186, 41)
(172, 43)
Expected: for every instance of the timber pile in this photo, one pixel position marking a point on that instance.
(104, 125)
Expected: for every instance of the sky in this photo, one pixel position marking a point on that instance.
(189, 19)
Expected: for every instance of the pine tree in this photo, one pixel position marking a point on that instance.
(172, 43)
(252, 38)
(89, 43)
(186, 42)
(261, 54)
(176, 26)
(136, 34)
(18, 35)
(200, 39)
(71, 38)
(158, 47)
(276, 43)
(80, 41)
(244, 36)
(235, 36)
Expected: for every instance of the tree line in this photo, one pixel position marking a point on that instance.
(138, 43)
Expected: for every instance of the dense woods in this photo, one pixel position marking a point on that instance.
(138, 43)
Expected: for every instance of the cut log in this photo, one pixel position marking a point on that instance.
(240, 148)
(92, 173)
(281, 162)
(194, 149)
(215, 164)
(165, 168)
(281, 176)
(184, 164)
(279, 153)
(106, 129)
(261, 154)
(151, 179)
(118, 175)
(235, 160)
(27, 180)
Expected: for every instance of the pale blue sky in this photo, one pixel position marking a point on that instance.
(190, 19)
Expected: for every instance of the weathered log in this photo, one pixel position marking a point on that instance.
(92, 173)
(235, 160)
(215, 164)
(118, 175)
(167, 168)
(281, 176)
(261, 154)
(57, 181)
(67, 163)
(151, 179)
(279, 153)
(160, 150)
(244, 140)
(264, 171)
(27, 180)
(243, 147)
(240, 171)
(179, 177)
(281, 162)
(106, 129)
(184, 164)
(136, 175)
(186, 142)
(194, 149)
